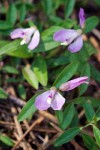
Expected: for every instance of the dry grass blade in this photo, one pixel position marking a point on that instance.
(38, 121)
(48, 116)
(18, 127)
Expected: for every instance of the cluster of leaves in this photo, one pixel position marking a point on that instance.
(47, 60)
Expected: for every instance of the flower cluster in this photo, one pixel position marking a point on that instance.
(52, 98)
(69, 37)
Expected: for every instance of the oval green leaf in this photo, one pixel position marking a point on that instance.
(3, 94)
(89, 142)
(10, 69)
(89, 111)
(40, 70)
(91, 23)
(6, 140)
(95, 73)
(68, 116)
(67, 136)
(22, 91)
(85, 72)
(30, 77)
(97, 135)
(9, 47)
(69, 6)
(12, 13)
(27, 110)
(59, 115)
(66, 74)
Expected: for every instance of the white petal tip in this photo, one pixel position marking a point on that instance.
(64, 43)
(22, 42)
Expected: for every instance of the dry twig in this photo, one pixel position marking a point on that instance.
(18, 127)
(38, 121)
(48, 116)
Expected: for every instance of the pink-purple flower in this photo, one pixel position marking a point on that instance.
(81, 18)
(52, 98)
(70, 85)
(29, 35)
(70, 37)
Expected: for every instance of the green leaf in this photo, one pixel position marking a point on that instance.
(89, 142)
(97, 135)
(12, 14)
(10, 47)
(29, 5)
(10, 69)
(50, 31)
(28, 110)
(79, 100)
(94, 102)
(6, 140)
(5, 25)
(66, 74)
(89, 48)
(75, 120)
(84, 54)
(48, 6)
(14, 48)
(69, 6)
(30, 77)
(91, 23)
(59, 115)
(67, 136)
(89, 111)
(21, 52)
(22, 12)
(97, 2)
(54, 62)
(40, 70)
(22, 91)
(84, 72)
(96, 117)
(68, 23)
(68, 116)
(3, 42)
(14, 80)
(95, 73)
(55, 19)
(3, 94)
(46, 45)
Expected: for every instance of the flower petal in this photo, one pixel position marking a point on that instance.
(67, 35)
(81, 17)
(17, 33)
(41, 101)
(58, 101)
(35, 40)
(25, 34)
(28, 33)
(73, 83)
(76, 45)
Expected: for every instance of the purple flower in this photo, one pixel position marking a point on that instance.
(29, 35)
(81, 17)
(53, 98)
(71, 37)
(73, 83)
(50, 98)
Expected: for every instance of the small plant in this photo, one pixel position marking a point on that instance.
(47, 68)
